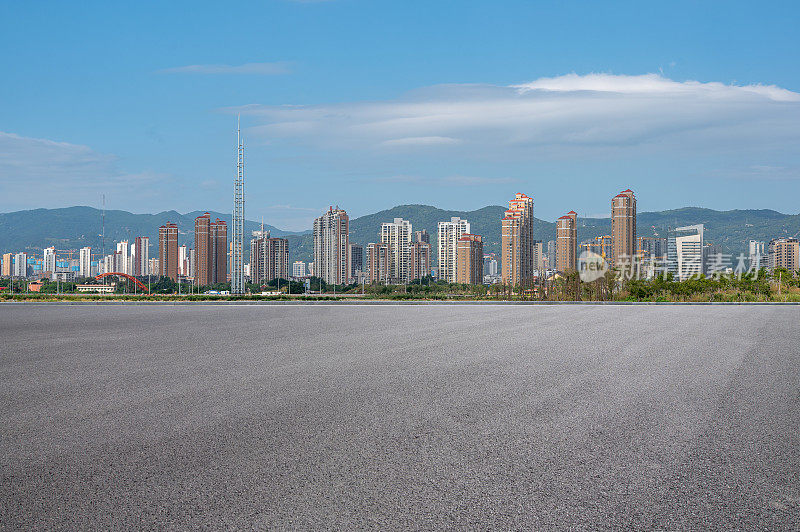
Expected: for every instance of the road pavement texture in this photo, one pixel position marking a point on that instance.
(396, 417)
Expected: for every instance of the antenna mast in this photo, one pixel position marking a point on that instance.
(237, 265)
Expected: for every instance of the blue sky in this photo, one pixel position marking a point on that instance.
(370, 104)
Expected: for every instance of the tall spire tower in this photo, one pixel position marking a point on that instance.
(237, 264)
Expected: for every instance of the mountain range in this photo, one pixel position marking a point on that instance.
(76, 227)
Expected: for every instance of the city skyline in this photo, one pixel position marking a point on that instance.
(555, 95)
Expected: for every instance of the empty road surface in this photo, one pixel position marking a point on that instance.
(399, 417)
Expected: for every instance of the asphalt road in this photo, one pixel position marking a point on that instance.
(423, 417)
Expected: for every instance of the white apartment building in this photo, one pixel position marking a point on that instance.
(20, 268)
(85, 262)
(685, 251)
(124, 257)
(449, 233)
(397, 236)
(49, 262)
(298, 269)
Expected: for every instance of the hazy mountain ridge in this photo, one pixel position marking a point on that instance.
(75, 227)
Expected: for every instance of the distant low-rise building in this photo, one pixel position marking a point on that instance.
(298, 269)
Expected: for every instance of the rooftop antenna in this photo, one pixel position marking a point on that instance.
(237, 266)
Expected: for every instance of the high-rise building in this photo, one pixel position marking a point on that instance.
(211, 250)
(757, 251)
(49, 262)
(784, 253)
(651, 246)
(123, 259)
(422, 236)
(685, 252)
(397, 235)
(153, 267)
(448, 235)
(356, 259)
(298, 269)
(168, 251)
(517, 241)
(183, 260)
(331, 246)
(141, 246)
(567, 242)
(7, 260)
(490, 267)
(85, 261)
(623, 227)
(269, 257)
(469, 259)
(20, 268)
(539, 256)
(420, 259)
(378, 263)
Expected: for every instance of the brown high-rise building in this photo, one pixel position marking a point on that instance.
(623, 227)
(211, 250)
(567, 242)
(7, 265)
(168, 251)
(517, 241)
(377, 262)
(420, 256)
(469, 259)
(269, 258)
(219, 239)
(784, 253)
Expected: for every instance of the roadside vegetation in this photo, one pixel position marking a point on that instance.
(763, 286)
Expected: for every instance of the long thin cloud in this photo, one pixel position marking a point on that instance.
(570, 114)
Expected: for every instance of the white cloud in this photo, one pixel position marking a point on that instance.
(37, 172)
(569, 114)
(268, 69)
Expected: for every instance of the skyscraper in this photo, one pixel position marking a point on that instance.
(420, 259)
(448, 235)
(20, 268)
(422, 236)
(757, 251)
(784, 253)
(517, 241)
(49, 261)
(269, 257)
(211, 250)
(567, 242)
(331, 246)
(685, 252)
(377, 263)
(397, 236)
(469, 259)
(168, 251)
(141, 246)
(356, 259)
(623, 227)
(123, 259)
(7, 260)
(85, 262)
